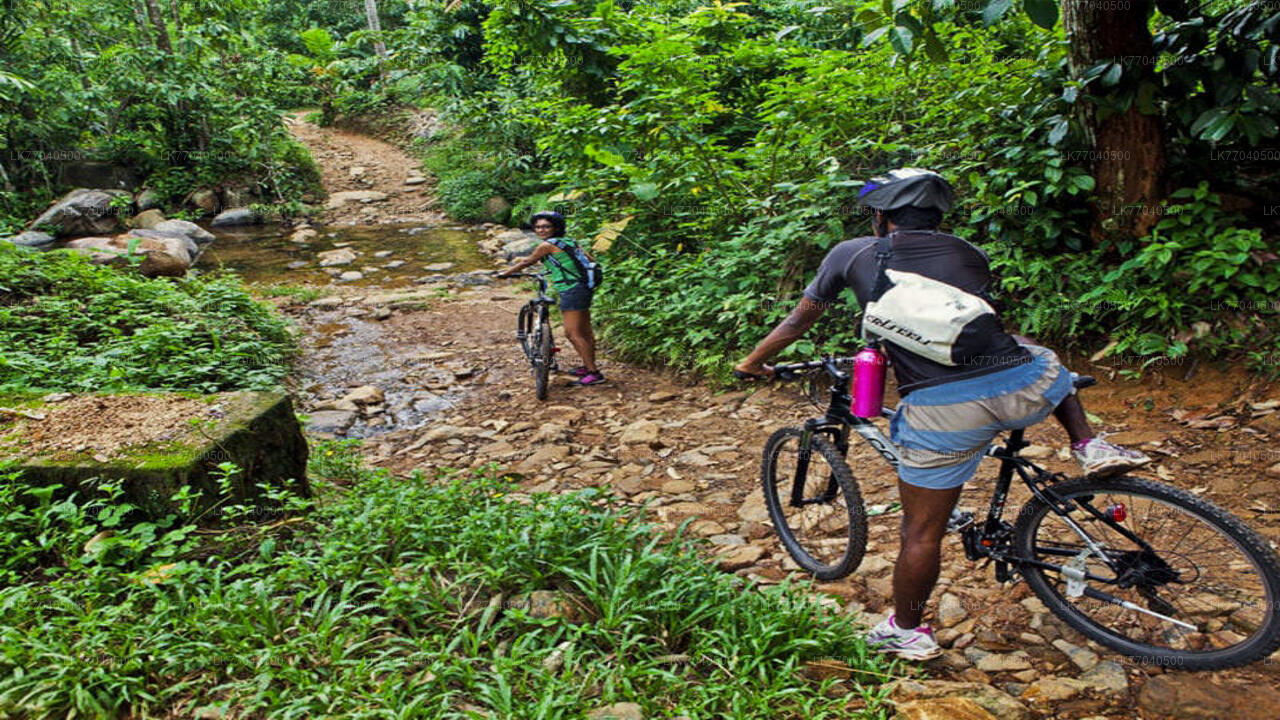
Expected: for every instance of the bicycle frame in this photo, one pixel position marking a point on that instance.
(992, 538)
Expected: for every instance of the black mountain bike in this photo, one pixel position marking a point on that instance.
(1146, 569)
(533, 330)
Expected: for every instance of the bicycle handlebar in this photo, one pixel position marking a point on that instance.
(792, 371)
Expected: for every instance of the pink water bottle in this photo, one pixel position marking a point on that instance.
(868, 382)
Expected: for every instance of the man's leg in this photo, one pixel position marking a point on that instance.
(1071, 414)
(924, 522)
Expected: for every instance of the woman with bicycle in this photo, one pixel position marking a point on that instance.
(569, 278)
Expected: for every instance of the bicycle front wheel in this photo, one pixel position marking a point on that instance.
(524, 328)
(814, 503)
(542, 363)
(1183, 583)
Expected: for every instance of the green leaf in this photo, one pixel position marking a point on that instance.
(1058, 131)
(902, 39)
(1084, 182)
(1042, 12)
(995, 10)
(1112, 75)
(644, 190)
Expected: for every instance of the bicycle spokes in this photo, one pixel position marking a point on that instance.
(1158, 574)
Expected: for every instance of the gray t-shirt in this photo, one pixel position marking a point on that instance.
(942, 257)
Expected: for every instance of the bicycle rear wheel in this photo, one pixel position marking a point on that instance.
(814, 503)
(1201, 588)
(542, 363)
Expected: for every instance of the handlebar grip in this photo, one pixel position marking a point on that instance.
(747, 376)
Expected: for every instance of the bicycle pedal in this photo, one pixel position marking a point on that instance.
(959, 520)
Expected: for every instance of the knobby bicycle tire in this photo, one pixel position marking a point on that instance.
(824, 521)
(1230, 601)
(542, 364)
(524, 329)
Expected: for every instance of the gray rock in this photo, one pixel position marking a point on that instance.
(351, 276)
(162, 255)
(335, 258)
(415, 180)
(617, 711)
(1108, 677)
(640, 432)
(1083, 658)
(438, 267)
(950, 610)
(236, 216)
(172, 241)
(331, 421)
(206, 200)
(31, 238)
(147, 219)
(147, 200)
(186, 229)
(81, 212)
(497, 209)
(338, 199)
(235, 197)
(727, 539)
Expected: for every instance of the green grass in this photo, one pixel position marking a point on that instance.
(391, 597)
(66, 324)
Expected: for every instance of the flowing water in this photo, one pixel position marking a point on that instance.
(345, 347)
(389, 256)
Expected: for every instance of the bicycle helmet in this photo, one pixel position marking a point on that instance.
(907, 187)
(553, 217)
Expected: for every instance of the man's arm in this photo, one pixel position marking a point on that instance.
(788, 331)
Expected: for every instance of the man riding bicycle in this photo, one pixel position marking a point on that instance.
(954, 403)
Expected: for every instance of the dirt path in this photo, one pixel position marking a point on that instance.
(368, 181)
(692, 453)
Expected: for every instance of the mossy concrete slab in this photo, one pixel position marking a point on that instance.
(256, 431)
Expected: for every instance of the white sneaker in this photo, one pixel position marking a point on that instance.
(917, 644)
(1099, 458)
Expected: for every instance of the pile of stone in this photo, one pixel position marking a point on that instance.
(89, 221)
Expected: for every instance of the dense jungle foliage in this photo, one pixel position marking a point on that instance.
(712, 151)
(1123, 180)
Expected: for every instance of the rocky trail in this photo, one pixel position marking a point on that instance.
(434, 380)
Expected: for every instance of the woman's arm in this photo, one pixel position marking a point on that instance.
(538, 253)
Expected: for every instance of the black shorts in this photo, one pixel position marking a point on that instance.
(577, 297)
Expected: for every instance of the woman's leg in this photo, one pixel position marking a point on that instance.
(577, 326)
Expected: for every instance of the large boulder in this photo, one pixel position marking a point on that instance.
(206, 200)
(186, 228)
(517, 243)
(81, 212)
(163, 255)
(31, 238)
(236, 216)
(170, 448)
(147, 219)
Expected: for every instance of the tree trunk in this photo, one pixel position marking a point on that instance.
(1127, 153)
(177, 18)
(157, 22)
(375, 25)
(144, 26)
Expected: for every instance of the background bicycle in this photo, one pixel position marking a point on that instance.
(533, 330)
